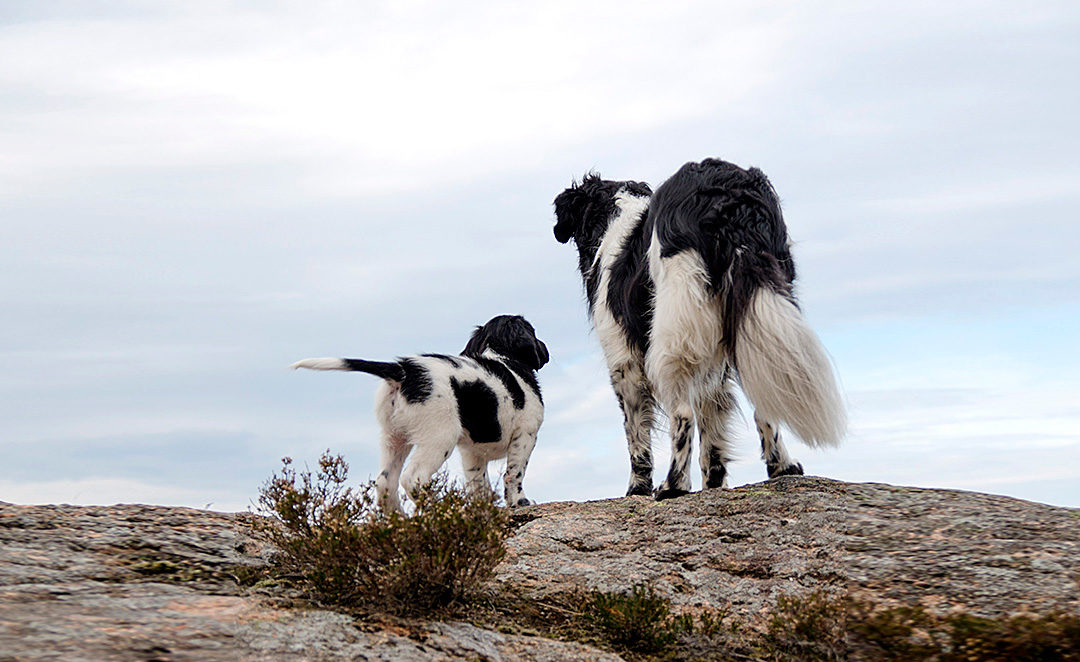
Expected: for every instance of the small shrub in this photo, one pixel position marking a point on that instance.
(812, 627)
(347, 552)
(822, 627)
(639, 620)
(1054, 636)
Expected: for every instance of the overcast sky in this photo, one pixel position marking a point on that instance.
(194, 195)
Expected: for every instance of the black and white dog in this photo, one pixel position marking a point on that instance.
(689, 290)
(486, 401)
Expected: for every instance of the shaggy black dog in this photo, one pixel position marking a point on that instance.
(691, 290)
(485, 401)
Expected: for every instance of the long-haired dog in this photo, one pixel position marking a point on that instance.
(485, 401)
(690, 290)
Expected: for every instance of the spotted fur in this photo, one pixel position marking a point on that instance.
(486, 402)
(690, 291)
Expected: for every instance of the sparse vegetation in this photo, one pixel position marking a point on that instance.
(642, 625)
(820, 627)
(346, 552)
(639, 620)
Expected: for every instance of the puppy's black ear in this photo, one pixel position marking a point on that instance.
(477, 343)
(532, 352)
(570, 208)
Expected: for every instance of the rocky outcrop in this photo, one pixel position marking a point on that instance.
(741, 548)
(154, 583)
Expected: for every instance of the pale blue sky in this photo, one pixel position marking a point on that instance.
(194, 195)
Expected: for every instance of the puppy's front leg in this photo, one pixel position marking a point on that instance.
(517, 459)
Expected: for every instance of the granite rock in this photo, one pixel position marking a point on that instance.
(137, 582)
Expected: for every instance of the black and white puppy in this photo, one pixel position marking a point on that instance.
(485, 401)
(691, 290)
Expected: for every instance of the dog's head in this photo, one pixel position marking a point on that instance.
(583, 211)
(511, 336)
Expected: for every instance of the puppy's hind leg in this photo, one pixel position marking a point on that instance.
(777, 460)
(426, 459)
(475, 466)
(636, 400)
(394, 451)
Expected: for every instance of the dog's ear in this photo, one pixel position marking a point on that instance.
(571, 206)
(529, 349)
(477, 343)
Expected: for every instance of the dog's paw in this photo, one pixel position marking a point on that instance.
(670, 493)
(639, 490)
(790, 470)
(523, 502)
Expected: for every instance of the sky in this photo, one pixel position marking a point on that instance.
(195, 195)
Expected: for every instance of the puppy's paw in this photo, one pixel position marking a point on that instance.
(523, 502)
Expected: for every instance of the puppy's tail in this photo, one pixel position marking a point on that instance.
(785, 371)
(390, 371)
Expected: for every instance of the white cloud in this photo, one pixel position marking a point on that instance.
(368, 101)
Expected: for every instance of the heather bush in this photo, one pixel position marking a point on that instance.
(346, 552)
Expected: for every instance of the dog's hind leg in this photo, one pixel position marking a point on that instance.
(517, 459)
(683, 350)
(426, 459)
(677, 482)
(777, 460)
(713, 417)
(393, 453)
(638, 406)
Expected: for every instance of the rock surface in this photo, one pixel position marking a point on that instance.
(741, 548)
(154, 583)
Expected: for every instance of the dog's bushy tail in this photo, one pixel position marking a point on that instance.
(785, 371)
(391, 371)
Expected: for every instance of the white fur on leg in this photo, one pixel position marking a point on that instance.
(425, 461)
(677, 481)
(785, 371)
(393, 453)
(714, 415)
(475, 467)
(773, 452)
(638, 406)
(517, 459)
